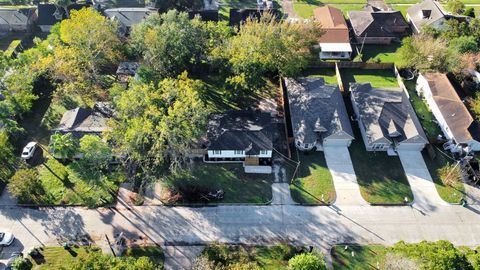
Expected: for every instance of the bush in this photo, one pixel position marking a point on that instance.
(396, 262)
(26, 186)
(307, 261)
(464, 44)
(450, 174)
(21, 263)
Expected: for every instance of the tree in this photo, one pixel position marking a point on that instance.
(440, 255)
(154, 124)
(96, 152)
(82, 46)
(307, 261)
(7, 157)
(62, 146)
(25, 185)
(269, 45)
(96, 260)
(425, 53)
(464, 44)
(169, 43)
(455, 6)
(181, 5)
(474, 104)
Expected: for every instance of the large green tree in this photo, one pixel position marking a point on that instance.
(25, 186)
(159, 123)
(169, 43)
(96, 152)
(63, 146)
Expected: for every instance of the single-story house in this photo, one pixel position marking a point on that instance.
(318, 115)
(81, 121)
(430, 13)
(374, 26)
(335, 41)
(50, 14)
(452, 116)
(127, 17)
(17, 19)
(241, 136)
(386, 119)
(127, 70)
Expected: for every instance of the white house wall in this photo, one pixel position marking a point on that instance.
(231, 154)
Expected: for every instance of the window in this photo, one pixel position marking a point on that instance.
(306, 145)
(238, 152)
(217, 152)
(263, 152)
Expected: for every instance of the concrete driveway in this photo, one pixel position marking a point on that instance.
(344, 179)
(424, 191)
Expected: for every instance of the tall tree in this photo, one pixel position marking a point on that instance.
(96, 152)
(169, 43)
(159, 123)
(62, 146)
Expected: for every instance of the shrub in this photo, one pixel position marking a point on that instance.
(450, 174)
(25, 186)
(307, 261)
(397, 262)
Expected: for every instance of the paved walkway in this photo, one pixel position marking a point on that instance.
(425, 193)
(281, 194)
(340, 165)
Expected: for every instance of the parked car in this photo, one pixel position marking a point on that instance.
(6, 238)
(12, 259)
(28, 150)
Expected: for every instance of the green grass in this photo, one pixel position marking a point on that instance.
(305, 9)
(401, 8)
(239, 187)
(71, 184)
(54, 258)
(426, 117)
(450, 194)
(328, 74)
(381, 177)
(153, 252)
(381, 53)
(365, 257)
(266, 257)
(380, 78)
(314, 180)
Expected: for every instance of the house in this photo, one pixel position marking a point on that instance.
(375, 26)
(335, 42)
(318, 115)
(386, 119)
(452, 116)
(241, 136)
(81, 121)
(50, 14)
(205, 15)
(127, 17)
(127, 70)
(430, 13)
(239, 16)
(17, 19)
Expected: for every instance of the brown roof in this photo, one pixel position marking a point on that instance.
(333, 23)
(457, 117)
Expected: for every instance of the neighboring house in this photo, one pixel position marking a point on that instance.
(127, 70)
(17, 19)
(386, 119)
(374, 26)
(241, 136)
(239, 16)
(81, 121)
(452, 116)
(335, 41)
(50, 14)
(430, 13)
(318, 115)
(127, 17)
(205, 15)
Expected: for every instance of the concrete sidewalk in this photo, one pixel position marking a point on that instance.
(346, 187)
(424, 191)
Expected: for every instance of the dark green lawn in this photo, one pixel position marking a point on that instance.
(380, 78)
(447, 193)
(54, 258)
(304, 8)
(239, 186)
(381, 177)
(426, 117)
(380, 53)
(328, 74)
(313, 181)
(153, 252)
(365, 257)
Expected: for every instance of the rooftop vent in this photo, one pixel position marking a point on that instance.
(426, 13)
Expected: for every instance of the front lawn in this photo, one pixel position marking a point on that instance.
(381, 177)
(265, 257)
(451, 194)
(201, 178)
(364, 257)
(378, 78)
(426, 117)
(54, 258)
(73, 185)
(328, 74)
(313, 181)
(381, 53)
(305, 9)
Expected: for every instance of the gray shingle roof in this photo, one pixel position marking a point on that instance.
(387, 113)
(425, 13)
(316, 107)
(129, 16)
(128, 68)
(247, 131)
(376, 23)
(15, 16)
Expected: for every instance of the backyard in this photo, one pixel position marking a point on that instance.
(356, 257)
(314, 183)
(380, 53)
(201, 178)
(378, 78)
(304, 8)
(450, 194)
(328, 74)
